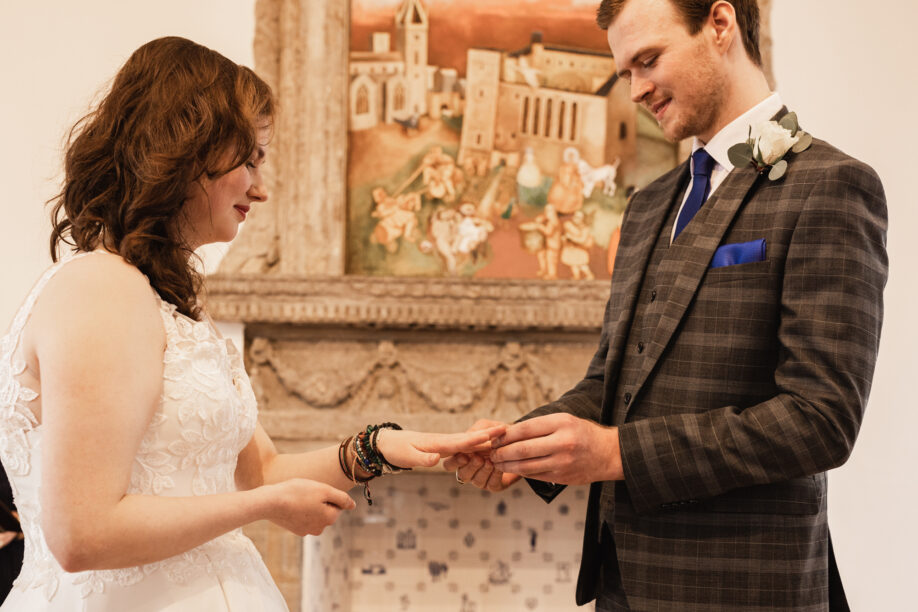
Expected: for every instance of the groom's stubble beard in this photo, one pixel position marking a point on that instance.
(699, 104)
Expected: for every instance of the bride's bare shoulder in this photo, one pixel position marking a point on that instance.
(99, 290)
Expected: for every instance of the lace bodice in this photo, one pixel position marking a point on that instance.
(206, 416)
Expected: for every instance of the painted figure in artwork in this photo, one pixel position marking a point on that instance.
(472, 230)
(397, 218)
(548, 225)
(576, 250)
(457, 235)
(440, 174)
(566, 193)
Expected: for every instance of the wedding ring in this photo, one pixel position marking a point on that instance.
(459, 480)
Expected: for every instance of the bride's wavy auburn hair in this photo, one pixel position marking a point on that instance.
(176, 112)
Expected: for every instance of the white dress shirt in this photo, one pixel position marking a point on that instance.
(735, 132)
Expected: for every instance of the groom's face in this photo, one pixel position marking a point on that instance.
(678, 77)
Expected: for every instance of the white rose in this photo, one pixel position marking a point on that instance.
(773, 141)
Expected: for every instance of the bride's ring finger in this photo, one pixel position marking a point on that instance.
(459, 480)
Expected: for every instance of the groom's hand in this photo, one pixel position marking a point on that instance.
(559, 448)
(477, 468)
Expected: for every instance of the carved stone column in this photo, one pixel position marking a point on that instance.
(301, 49)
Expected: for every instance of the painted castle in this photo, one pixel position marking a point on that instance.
(542, 97)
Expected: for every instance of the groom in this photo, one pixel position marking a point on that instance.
(737, 348)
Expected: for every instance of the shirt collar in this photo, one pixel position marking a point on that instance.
(738, 130)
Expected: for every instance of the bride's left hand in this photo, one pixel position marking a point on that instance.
(408, 449)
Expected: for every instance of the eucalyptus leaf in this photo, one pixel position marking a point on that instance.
(740, 155)
(806, 139)
(778, 170)
(789, 122)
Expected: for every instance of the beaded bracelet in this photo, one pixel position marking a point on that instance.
(349, 472)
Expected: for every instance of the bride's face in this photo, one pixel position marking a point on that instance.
(214, 208)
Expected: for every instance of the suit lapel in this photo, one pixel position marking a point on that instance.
(642, 227)
(690, 255)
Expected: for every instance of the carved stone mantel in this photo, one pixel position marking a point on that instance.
(408, 303)
(327, 355)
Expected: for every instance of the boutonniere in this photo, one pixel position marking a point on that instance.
(767, 145)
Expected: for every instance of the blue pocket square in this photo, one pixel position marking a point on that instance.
(740, 253)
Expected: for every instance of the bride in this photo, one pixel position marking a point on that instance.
(128, 426)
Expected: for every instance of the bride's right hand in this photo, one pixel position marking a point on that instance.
(306, 507)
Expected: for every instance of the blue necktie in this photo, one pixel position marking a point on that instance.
(702, 164)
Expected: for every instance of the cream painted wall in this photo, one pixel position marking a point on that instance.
(58, 56)
(845, 66)
(848, 68)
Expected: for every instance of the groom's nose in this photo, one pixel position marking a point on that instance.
(640, 88)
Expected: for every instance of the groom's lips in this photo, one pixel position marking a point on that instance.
(659, 108)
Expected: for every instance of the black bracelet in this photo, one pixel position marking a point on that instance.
(382, 458)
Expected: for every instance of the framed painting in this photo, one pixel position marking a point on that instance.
(489, 140)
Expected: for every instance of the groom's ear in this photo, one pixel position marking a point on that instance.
(723, 26)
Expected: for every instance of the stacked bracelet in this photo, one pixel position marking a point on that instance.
(367, 456)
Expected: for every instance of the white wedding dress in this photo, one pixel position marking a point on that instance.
(206, 416)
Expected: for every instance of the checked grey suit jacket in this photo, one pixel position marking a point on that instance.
(752, 384)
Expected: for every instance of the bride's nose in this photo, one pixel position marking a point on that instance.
(258, 192)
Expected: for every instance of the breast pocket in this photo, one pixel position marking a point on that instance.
(751, 273)
(738, 304)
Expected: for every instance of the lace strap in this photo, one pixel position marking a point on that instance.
(175, 322)
(167, 311)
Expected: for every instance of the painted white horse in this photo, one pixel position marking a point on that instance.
(604, 175)
(591, 176)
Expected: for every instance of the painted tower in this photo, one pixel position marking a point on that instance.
(412, 28)
(482, 85)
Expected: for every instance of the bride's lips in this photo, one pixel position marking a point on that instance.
(659, 108)
(243, 210)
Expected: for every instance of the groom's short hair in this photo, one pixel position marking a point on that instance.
(695, 13)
